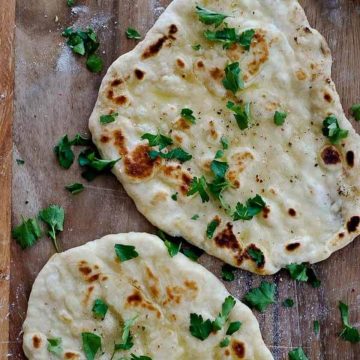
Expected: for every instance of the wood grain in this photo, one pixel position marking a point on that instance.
(55, 95)
(7, 22)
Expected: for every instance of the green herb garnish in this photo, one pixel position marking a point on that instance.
(288, 303)
(195, 217)
(20, 161)
(126, 338)
(349, 333)
(70, 3)
(54, 346)
(316, 325)
(210, 230)
(225, 342)
(301, 272)
(196, 47)
(173, 248)
(27, 233)
(91, 344)
(125, 252)
(193, 253)
(75, 188)
(257, 255)
(132, 33)
(224, 143)
(246, 38)
(227, 272)
(297, 354)
(252, 208)
(64, 152)
(222, 318)
(332, 130)
(355, 111)
(241, 114)
(107, 119)
(175, 196)
(260, 298)
(94, 63)
(279, 118)
(199, 328)
(233, 327)
(232, 80)
(178, 154)
(157, 140)
(199, 185)
(209, 17)
(219, 168)
(53, 216)
(100, 309)
(229, 36)
(187, 114)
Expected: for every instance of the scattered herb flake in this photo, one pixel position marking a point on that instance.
(91, 344)
(227, 272)
(288, 303)
(260, 298)
(81, 140)
(210, 230)
(241, 114)
(20, 162)
(100, 309)
(226, 308)
(53, 216)
(172, 247)
(193, 253)
(219, 168)
(232, 80)
(196, 47)
(252, 208)
(246, 38)
(126, 338)
(279, 118)
(70, 3)
(349, 333)
(188, 115)
(233, 327)
(355, 111)
(225, 342)
(316, 327)
(199, 328)
(301, 272)
(332, 130)
(175, 196)
(141, 357)
(125, 252)
(94, 63)
(199, 185)
(177, 153)
(297, 354)
(157, 140)
(219, 154)
(257, 255)
(75, 188)
(195, 217)
(209, 17)
(27, 233)
(132, 33)
(107, 119)
(54, 346)
(64, 153)
(224, 143)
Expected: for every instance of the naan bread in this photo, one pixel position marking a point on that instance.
(161, 291)
(310, 187)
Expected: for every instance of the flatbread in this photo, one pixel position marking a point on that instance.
(161, 291)
(310, 186)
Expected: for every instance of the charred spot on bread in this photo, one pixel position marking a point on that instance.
(139, 74)
(353, 224)
(330, 155)
(227, 239)
(350, 158)
(238, 349)
(292, 246)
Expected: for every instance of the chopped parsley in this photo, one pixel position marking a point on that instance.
(199, 328)
(219, 168)
(64, 153)
(199, 185)
(301, 272)
(159, 140)
(177, 153)
(209, 17)
(187, 114)
(107, 119)
(316, 325)
(241, 114)
(224, 143)
(257, 255)
(349, 333)
(332, 130)
(125, 252)
(355, 111)
(54, 346)
(288, 303)
(227, 272)
(219, 154)
(80, 140)
(210, 230)
(192, 252)
(126, 338)
(172, 247)
(100, 309)
(252, 208)
(222, 318)
(279, 118)
(27, 233)
(263, 296)
(195, 217)
(85, 43)
(246, 38)
(233, 328)
(70, 3)
(225, 342)
(232, 80)
(53, 216)
(91, 344)
(132, 33)
(229, 36)
(196, 47)
(297, 354)
(175, 196)
(75, 188)
(20, 161)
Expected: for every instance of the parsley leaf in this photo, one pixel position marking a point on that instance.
(157, 140)
(195, 217)
(279, 118)
(219, 154)
(75, 188)
(107, 119)
(27, 233)
(225, 342)
(332, 130)
(20, 161)
(224, 143)
(226, 308)
(316, 327)
(246, 38)
(126, 338)
(288, 303)
(100, 309)
(241, 114)
(210, 230)
(297, 354)
(175, 196)
(53, 216)
(216, 188)
(91, 344)
(199, 328)
(301, 272)
(94, 63)
(64, 152)
(227, 272)
(178, 154)
(355, 111)
(260, 298)
(132, 33)
(349, 333)
(173, 248)
(219, 168)
(54, 346)
(233, 327)
(252, 208)
(196, 47)
(198, 185)
(192, 252)
(125, 252)
(80, 140)
(232, 80)
(209, 17)
(70, 3)
(187, 114)
(257, 255)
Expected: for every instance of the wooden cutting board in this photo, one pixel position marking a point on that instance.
(54, 95)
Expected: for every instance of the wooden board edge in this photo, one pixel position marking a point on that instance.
(7, 27)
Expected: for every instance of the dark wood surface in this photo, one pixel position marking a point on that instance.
(55, 94)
